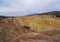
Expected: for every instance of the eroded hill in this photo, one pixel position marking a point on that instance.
(13, 27)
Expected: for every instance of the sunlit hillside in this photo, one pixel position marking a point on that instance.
(39, 23)
(35, 23)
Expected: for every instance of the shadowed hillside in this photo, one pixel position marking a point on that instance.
(44, 23)
(56, 13)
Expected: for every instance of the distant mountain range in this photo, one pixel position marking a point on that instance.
(57, 13)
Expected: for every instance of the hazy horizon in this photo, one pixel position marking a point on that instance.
(26, 7)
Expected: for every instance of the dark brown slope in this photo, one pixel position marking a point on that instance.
(56, 13)
(4, 17)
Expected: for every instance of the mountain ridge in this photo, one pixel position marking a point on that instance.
(57, 13)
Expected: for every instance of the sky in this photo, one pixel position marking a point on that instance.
(26, 7)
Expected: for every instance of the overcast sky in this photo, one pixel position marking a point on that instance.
(25, 7)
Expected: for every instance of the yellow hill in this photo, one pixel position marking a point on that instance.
(35, 23)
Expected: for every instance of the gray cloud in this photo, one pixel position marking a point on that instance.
(23, 7)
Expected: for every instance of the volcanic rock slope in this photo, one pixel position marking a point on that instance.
(38, 26)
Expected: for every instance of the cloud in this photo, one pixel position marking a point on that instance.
(28, 6)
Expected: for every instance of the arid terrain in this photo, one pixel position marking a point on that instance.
(43, 27)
